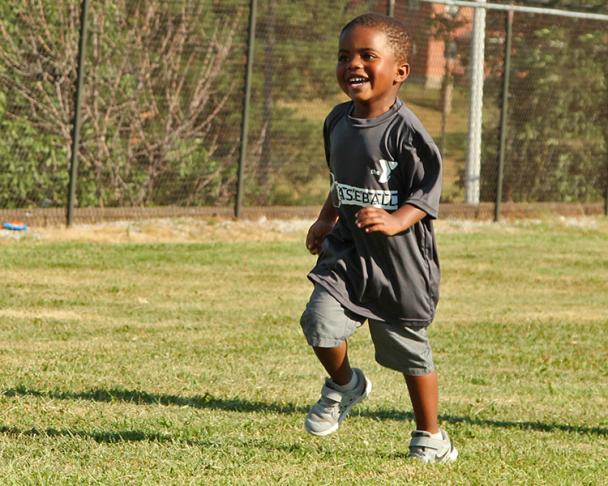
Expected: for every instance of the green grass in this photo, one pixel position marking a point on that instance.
(184, 364)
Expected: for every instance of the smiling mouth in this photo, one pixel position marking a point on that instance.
(356, 81)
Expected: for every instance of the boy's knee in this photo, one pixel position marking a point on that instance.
(308, 323)
(324, 322)
(317, 332)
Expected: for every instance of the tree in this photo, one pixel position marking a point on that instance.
(36, 87)
(556, 148)
(159, 77)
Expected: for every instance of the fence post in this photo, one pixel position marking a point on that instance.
(606, 199)
(390, 8)
(77, 102)
(503, 112)
(606, 180)
(473, 161)
(245, 115)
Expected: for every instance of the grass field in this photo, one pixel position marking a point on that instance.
(150, 361)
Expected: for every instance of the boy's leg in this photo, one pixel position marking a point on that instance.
(335, 362)
(327, 326)
(408, 350)
(424, 394)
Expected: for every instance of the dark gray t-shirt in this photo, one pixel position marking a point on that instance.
(385, 162)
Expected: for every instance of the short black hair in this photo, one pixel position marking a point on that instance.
(395, 31)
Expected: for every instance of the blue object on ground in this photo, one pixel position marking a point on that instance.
(15, 226)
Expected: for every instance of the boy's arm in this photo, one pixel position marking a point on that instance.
(328, 212)
(372, 219)
(325, 222)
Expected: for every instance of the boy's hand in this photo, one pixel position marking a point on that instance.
(316, 234)
(372, 220)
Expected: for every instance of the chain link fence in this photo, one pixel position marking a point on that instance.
(556, 146)
(163, 96)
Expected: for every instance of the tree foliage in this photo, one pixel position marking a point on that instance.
(158, 76)
(556, 146)
(162, 101)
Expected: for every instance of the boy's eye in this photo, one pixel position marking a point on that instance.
(342, 58)
(368, 56)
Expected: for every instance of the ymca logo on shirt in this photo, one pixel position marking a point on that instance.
(386, 170)
(345, 194)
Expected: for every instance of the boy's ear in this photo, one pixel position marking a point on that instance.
(403, 71)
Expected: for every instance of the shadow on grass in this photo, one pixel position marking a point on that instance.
(205, 401)
(209, 402)
(101, 436)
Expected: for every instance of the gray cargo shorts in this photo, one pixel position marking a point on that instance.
(326, 324)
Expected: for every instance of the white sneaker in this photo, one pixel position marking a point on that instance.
(327, 414)
(425, 449)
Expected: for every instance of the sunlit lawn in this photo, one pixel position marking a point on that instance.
(183, 363)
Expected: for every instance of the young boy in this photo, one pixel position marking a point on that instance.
(374, 237)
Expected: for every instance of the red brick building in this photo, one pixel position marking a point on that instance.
(430, 25)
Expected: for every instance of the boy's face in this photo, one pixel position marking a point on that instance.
(367, 69)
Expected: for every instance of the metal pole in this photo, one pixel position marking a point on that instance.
(606, 139)
(606, 198)
(390, 10)
(77, 103)
(503, 112)
(473, 161)
(245, 115)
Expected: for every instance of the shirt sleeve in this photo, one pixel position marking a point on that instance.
(326, 131)
(425, 186)
(332, 119)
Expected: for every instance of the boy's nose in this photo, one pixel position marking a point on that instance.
(355, 62)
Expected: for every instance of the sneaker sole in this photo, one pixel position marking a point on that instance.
(343, 415)
(325, 432)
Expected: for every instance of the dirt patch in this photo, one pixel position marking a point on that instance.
(187, 230)
(59, 315)
(192, 230)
